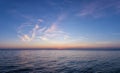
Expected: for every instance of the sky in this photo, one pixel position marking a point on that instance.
(59, 24)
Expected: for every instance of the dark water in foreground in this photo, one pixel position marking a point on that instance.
(59, 61)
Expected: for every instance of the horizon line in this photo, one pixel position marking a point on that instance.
(60, 48)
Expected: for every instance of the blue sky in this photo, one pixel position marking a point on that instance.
(59, 23)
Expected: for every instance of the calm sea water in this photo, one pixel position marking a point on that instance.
(59, 61)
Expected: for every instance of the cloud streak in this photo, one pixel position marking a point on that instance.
(47, 33)
(30, 36)
(99, 8)
(51, 34)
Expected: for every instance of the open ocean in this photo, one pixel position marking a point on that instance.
(59, 61)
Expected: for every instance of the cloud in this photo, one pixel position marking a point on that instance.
(52, 33)
(30, 31)
(34, 31)
(98, 8)
(103, 42)
(25, 38)
(88, 9)
(30, 35)
(51, 29)
(40, 20)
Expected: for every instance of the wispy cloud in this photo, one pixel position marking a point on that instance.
(53, 34)
(98, 8)
(40, 20)
(31, 32)
(25, 38)
(29, 36)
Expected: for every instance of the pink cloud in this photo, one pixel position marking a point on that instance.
(52, 28)
(50, 33)
(29, 36)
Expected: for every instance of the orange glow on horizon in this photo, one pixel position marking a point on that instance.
(57, 46)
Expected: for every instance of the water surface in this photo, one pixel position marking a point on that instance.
(59, 61)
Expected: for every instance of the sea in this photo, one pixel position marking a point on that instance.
(59, 61)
